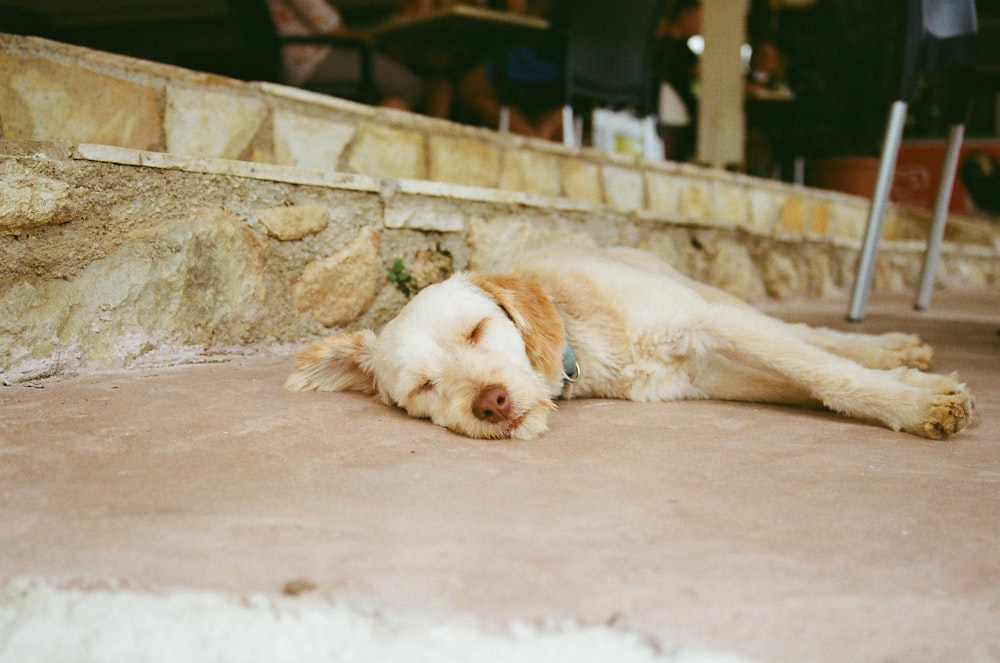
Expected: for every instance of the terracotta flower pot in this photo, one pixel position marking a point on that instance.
(854, 174)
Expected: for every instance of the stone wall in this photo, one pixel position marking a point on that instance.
(113, 257)
(152, 215)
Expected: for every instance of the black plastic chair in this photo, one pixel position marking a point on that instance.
(262, 58)
(609, 58)
(940, 35)
(606, 57)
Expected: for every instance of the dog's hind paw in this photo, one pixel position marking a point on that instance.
(896, 349)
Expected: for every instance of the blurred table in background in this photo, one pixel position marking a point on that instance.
(459, 34)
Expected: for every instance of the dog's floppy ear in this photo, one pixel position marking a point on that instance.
(533, 314)
(337, 363)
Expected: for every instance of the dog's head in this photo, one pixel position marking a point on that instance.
(479, 355)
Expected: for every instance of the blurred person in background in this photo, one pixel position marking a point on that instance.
(316, 65)
(677, 68)
(527, 80)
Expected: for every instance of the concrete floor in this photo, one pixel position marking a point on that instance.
(771, 533)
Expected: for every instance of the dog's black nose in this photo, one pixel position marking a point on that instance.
(492, 404)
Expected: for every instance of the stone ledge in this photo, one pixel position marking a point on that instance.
(217, 166)
(347, 181)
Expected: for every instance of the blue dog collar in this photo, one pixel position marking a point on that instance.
(571, 369)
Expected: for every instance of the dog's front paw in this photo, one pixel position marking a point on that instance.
(946, 412)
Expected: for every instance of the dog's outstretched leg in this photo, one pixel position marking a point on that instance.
(872, 350)
(933, 406)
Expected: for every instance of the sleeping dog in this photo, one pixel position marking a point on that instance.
(487, 356)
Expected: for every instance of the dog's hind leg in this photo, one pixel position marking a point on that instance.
(901, 399)
(885, 351)
(872, 350)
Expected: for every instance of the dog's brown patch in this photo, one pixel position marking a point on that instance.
(337, 363)
(533, 314)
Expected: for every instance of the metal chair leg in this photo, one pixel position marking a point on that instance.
(955, 136)
(568, 126)
(876, 211)
(504, 126)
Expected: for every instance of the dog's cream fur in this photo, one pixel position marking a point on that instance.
(482, 355)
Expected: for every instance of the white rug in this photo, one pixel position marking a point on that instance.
(43, 623)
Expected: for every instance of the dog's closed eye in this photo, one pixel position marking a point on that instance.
(474, 336)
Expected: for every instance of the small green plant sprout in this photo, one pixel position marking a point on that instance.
(398, 275)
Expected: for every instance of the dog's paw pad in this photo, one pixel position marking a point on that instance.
(906, 350)
(947, 413)
(920, 357)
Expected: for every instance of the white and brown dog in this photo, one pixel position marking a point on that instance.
(486, 355)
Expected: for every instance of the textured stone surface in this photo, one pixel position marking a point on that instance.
(694, 200)
(337, 289)
(461, 160)
(531, 171)
(821, 215)
(428, 266)
(623, 188)
(847, 220)
(662, 192)
(42, 99)
(31, 200)
(781, 277)
(732, 269)
(498, 241)
(294, 221)
(765, 206)
(581, 180)
(729, 202)
(794, 215)
(426, 215)
(388, 152)
(307, 141)
(178, 287)
(207, 122)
